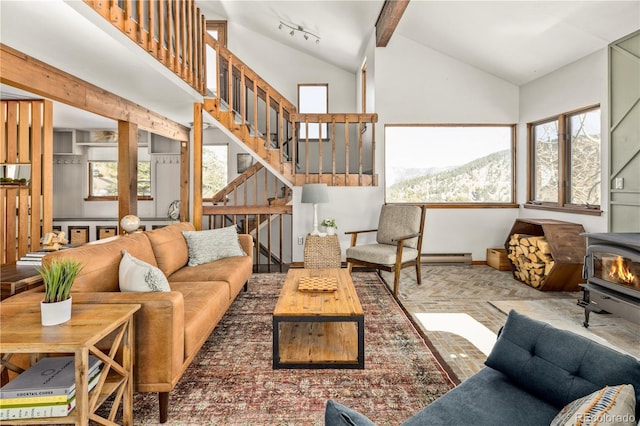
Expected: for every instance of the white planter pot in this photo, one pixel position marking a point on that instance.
(330, 230)
(55, 313)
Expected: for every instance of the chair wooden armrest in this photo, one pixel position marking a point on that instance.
(360, 232)
(354, 235)
(406, 237)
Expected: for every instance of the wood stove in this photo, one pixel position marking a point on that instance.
(612, 271)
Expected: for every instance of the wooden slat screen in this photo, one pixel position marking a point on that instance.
(25, 209)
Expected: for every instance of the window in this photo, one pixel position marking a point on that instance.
(466, 164)
(103, 180)
(214, 169)
(313, 99)
(218, 30)
(564, 158)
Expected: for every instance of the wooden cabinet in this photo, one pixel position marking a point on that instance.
(567, 248)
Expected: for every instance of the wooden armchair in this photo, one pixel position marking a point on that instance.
(398, 242)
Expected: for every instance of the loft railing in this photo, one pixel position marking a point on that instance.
(172, 31)
(340, 153)
(332, 149)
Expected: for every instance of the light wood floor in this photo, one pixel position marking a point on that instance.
(462, 306)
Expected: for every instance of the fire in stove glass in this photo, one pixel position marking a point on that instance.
(620, 270)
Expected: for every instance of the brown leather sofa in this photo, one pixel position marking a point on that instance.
(172, 326)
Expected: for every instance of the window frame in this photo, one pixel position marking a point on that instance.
(323, 128)
(469, 205)
(563, 203)
(91, 197)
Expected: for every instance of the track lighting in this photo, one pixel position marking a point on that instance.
(293, 27)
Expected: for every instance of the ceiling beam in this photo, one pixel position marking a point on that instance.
(388, 20)
(27, 73)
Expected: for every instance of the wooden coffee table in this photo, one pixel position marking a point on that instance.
(318, 329)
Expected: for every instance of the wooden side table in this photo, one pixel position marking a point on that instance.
(21, 332)
(16, 278)
(322, 252)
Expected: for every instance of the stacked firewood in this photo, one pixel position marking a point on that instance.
(531, 257)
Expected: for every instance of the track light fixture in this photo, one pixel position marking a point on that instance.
(293, 27)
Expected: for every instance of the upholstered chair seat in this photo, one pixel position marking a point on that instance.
(398, 242)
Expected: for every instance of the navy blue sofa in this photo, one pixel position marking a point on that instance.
(533, 371)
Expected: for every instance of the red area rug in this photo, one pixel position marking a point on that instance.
(231, 381)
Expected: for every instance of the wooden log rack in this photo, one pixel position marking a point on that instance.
(547, 254)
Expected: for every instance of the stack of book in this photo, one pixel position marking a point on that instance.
(32, 258)
(47, 389)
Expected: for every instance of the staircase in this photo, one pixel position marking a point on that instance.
(265, 122)
(257, 202)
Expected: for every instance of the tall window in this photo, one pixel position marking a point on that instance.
(218, 30)
(564, 154)
(103, 180)
(313, 99)
(214, 169)
(450, 163)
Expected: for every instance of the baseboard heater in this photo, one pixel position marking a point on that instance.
(446, 258)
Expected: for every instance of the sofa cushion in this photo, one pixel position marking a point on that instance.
(557, 365)
(213, 244)
(170, 247)
(235, 271)
(488, 398)
(205, 302)
(136, 275)
(101, 261)
(612, 405)
(336, 414)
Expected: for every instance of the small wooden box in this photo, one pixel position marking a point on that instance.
(497, 258)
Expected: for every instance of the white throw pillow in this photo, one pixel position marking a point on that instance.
(213, 244)
(136, 275)
(612, 405)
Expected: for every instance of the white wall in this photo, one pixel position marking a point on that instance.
(574, 86)
(415, 84)
(283, 68)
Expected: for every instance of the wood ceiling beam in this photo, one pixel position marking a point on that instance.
(388, 20)
(24, 72)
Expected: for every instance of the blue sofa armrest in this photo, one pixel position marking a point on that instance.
(556, 365)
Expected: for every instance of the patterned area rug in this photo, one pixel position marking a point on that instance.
(231, 381)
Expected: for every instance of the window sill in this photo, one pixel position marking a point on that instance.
(465, 205)
(567, 209)
(111, 198)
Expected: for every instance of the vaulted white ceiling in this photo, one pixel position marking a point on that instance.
(517, 41)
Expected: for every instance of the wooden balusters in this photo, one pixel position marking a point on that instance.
(172, 31)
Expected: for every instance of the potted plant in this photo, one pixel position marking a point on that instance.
(330, 225)
(58, 277)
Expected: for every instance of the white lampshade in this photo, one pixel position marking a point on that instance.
(315, 193)
(130, 223)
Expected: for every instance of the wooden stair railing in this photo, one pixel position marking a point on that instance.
(257, 203)
(172, 31)
(268, 124)
(270, 225)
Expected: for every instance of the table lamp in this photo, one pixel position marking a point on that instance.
(315, 193)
